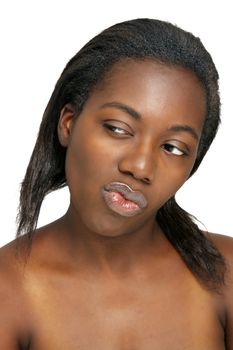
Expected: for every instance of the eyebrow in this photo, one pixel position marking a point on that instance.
(137, 116)
(123, 107)
(184, 128)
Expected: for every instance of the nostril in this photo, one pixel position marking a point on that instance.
(146, 179)
(129, 173)
(139, 170)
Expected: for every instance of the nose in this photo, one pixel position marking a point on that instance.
(139, 163)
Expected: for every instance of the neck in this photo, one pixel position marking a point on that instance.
(118, 253)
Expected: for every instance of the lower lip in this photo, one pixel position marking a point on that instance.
(117, 203)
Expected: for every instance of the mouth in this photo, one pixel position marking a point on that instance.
(123, 200)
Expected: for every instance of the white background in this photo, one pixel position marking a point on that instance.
(37, 40)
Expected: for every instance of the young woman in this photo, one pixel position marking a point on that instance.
(130, 120)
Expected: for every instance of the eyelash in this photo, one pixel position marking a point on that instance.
(165, 146)
(168, 145)
(114, 128)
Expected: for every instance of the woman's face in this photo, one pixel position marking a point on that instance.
(140, 128)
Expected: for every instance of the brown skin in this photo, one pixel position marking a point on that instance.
(99, 280)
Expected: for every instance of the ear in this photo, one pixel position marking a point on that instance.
(65, 124)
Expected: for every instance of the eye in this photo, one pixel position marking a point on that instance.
(169, 148)
(116, 129)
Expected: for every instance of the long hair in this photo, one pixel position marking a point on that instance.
(137, 39)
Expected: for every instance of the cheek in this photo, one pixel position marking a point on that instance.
(168, 182)
(87, 166)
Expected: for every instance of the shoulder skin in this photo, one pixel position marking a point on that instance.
(13, 310)
(225, 246)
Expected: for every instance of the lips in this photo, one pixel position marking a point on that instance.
(122, 199)
(127, 192)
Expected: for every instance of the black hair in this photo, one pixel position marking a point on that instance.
(137, 39)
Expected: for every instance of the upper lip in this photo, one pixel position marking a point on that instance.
(128, 193)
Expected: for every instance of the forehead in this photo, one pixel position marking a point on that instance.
(153, 89)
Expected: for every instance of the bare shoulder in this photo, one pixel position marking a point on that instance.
(12, 305)
(9, 271)
(225, 246)
(20, 272)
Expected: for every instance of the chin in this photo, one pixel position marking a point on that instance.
(115, 226)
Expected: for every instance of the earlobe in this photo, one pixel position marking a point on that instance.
(65, 124)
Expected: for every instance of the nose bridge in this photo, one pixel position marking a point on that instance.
(139, 161)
